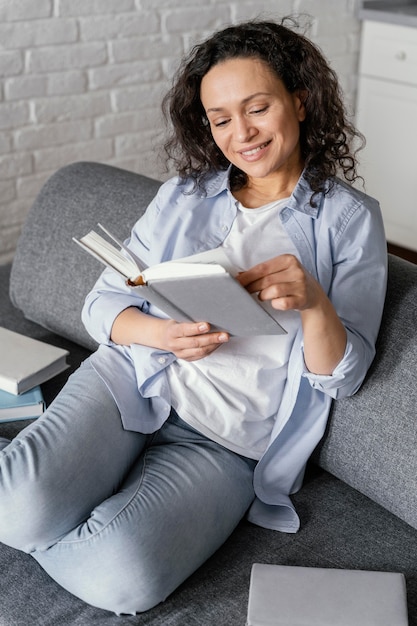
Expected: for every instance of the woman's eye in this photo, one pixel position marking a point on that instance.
(224, 121)
(219, 123)
(261, 110)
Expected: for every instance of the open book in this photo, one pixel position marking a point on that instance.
(191, 289)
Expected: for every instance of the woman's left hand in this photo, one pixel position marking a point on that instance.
(284, 281)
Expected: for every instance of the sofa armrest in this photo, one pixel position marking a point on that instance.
(50, 275)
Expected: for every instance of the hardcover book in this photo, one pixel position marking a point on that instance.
(198, 288)
(281, 595)
(27, 362)
(27, 405)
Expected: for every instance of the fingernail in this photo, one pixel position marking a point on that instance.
(202, 327)
(223, 337)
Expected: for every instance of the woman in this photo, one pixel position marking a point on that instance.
(170, 433)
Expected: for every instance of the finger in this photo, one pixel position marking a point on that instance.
(252, 275)
(287, 303)
(199, 348)
(185, 329)
(272, 266)
(200, 333)
(284, 278)
(285, 296)
(183, 341)
(196, 355)
(280, 290)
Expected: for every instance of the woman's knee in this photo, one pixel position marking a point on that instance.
(111, 584)
(130, 600)
(26, 521)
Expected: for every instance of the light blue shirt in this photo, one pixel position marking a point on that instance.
(341, 242)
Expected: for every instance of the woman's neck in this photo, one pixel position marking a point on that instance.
(261, 191)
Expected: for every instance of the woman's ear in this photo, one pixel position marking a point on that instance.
(300, 98)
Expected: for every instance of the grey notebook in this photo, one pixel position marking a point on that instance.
(282, 595)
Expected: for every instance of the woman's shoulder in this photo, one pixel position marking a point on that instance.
(346, 207)
(346, 194)
(337, 198)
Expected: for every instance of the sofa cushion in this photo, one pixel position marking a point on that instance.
(51, 275)
(371, 439)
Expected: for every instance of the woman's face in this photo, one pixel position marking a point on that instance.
(254, 120)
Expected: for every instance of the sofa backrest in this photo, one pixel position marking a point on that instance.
(50, 274)
(371, 441)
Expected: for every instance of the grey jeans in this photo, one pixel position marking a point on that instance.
(118, 518)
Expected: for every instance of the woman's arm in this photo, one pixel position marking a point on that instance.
(324, 336)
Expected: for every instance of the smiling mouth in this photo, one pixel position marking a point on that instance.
(255, 150)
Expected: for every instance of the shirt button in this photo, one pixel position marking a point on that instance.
(225, 228)
(161, 360)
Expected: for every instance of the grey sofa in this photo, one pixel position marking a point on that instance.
(358, 506)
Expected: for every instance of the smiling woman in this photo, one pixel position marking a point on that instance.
(177, 430)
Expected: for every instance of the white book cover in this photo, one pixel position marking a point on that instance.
(282, 595)
(27, 362)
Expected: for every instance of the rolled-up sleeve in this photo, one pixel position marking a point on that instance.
(108, 298)
(346, 378)
(110, 294)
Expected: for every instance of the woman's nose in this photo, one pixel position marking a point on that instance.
(244, 130)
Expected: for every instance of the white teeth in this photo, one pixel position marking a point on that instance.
(255, 150)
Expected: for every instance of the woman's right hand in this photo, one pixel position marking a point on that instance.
(191, 341)
(187, 340)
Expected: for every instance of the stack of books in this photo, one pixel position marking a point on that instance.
(25, 364)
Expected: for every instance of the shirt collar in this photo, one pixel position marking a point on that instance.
(300, 198)
(218, 183)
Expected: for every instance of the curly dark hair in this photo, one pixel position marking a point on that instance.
(326, 135)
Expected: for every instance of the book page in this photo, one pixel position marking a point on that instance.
(181, 269)
(217, 255)
(207, 263)
(105, 252)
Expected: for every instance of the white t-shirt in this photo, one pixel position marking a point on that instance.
(233, 394)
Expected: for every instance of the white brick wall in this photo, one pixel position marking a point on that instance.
(83, 80)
